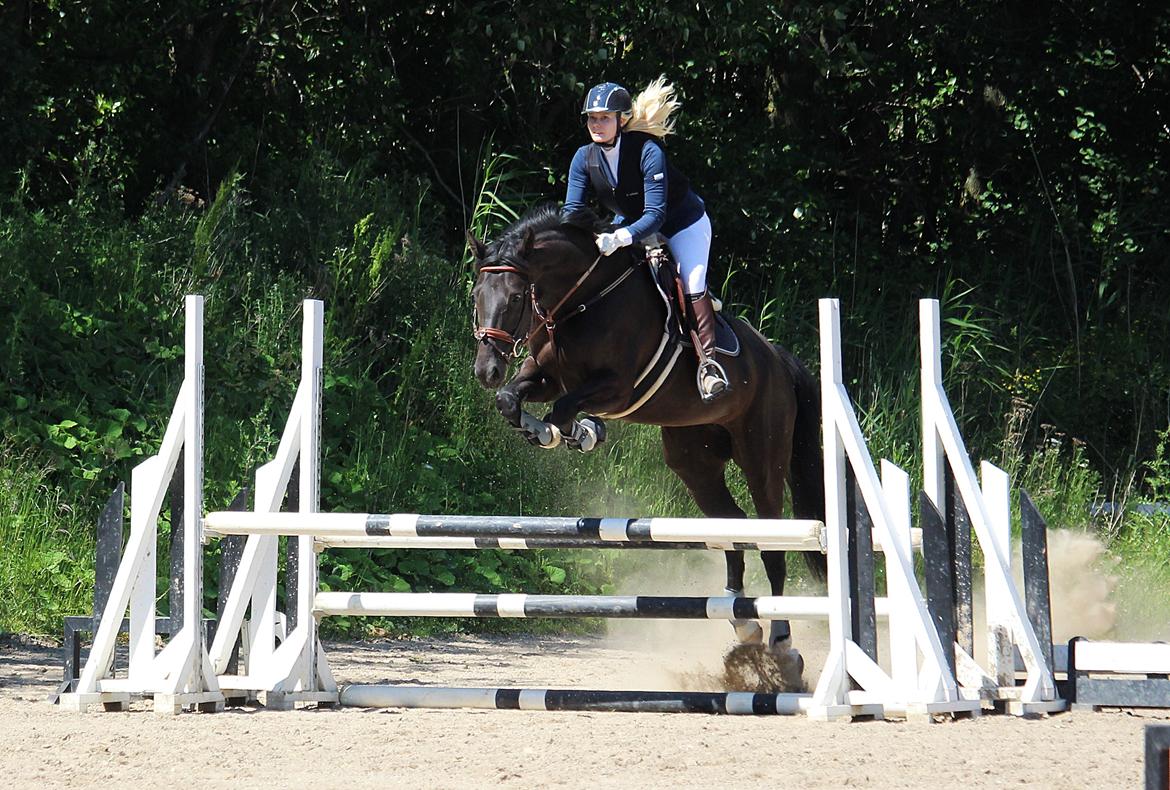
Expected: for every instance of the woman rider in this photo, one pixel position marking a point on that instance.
(626, 170)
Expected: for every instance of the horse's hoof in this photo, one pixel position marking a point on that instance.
(551, 439)
(790, 662)
(780, 631)
(545, 438)
(748, 632)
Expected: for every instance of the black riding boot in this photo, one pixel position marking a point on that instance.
(712, 379)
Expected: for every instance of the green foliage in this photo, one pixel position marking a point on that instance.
(1156, 481)
(1055, 473)
(496, 203)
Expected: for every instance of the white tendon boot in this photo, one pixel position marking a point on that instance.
(588, 433)
(748, 632)
(541, 433)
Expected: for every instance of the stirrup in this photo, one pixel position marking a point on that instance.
(712, 371)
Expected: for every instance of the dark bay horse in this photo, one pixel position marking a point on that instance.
(592, 325)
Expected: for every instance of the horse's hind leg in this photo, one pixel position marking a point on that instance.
(763, 449)
(698, 455)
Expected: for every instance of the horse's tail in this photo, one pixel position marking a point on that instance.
(806, 470)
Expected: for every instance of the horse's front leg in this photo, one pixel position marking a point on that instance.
(509, 397)
(589, 432)
(529, 383)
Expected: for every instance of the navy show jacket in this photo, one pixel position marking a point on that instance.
(649, 190)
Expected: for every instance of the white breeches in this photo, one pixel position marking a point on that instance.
(691, 247)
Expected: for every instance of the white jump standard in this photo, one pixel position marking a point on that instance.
(180, 675)
(989, 507)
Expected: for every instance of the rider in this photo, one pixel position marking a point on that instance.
(626, 169)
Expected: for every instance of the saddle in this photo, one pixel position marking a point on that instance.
(676, 333)
(664, 273)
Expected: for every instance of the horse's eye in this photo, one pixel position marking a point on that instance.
(516, 298)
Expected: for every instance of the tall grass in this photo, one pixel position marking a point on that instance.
(46, 571)
(1141, 528)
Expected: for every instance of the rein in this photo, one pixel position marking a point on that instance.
(548, 320)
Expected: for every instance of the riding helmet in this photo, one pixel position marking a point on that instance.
(607, 97)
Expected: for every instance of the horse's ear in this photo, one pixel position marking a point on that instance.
(478, 248)
(527, 243)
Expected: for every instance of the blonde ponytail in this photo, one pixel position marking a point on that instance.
(653, 108)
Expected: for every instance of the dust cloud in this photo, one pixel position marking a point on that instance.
(1095, 596)
(1082, 584)
(1091, 594)
(701, 655)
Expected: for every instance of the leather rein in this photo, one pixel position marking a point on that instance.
(545, 319)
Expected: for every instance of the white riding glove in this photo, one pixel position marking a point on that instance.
(609, 243)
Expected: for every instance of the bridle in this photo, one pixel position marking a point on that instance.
(491, 335)
(545, 319)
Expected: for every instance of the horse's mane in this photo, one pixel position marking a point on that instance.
(546, 216)
(587, 219)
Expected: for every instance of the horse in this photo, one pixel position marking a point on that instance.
(593, 326)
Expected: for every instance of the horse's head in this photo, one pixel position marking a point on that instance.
(536, 254)
(502, 305)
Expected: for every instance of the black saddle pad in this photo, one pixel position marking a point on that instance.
(726, 341)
